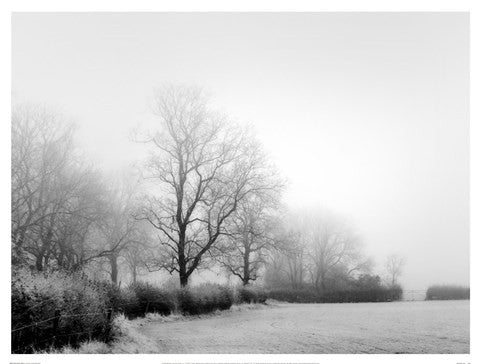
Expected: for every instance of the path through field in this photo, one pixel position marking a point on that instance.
(396, 327)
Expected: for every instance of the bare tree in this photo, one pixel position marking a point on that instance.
(118, 229)
(201, 167)
(137, 255)
(250, 236)
(295, 261)
(286, 266)
(331, 243)
(394, 267)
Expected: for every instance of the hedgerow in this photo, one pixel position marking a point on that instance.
(448, 292)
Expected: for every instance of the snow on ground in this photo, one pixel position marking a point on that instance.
(391, 327)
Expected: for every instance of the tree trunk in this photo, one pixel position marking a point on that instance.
(246, 267)
(322, 284)
(114, 268)
(182, 262)
(183, 280)
(182, 268)
(39, 262)
(134, 274)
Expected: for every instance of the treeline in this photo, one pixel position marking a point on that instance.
(65, 215)
(206, 196)
(448, 292)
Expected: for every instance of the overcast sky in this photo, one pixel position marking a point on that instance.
(366, 114)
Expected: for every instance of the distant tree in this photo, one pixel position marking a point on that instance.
(120, 227)
(286, 266)
(139, 252)
(394, 267)
(331, 243)
(201, 168)
(295, 260)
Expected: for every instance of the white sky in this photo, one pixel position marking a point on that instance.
(366, 114)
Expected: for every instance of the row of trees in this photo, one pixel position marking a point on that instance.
(207, 195)
(323, 252)
(64, 214)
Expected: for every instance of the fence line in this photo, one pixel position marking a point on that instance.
(54, 337)
(73, 315)
(17, 332)
(60, 316)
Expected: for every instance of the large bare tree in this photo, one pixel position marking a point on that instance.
(201, 167)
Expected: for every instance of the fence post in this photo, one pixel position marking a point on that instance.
(56, 323)
(109, 314)
(109, 320)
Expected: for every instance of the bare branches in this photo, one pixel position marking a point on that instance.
(244, 250)
(201, 168)
(51, 188)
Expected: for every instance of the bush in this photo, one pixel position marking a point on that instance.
(446, 292)
(249, 294)
(151, 299)
(55, 309)
(204, 299)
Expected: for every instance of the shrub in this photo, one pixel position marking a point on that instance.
(204, 299)
(250, 294)
(55, 309)
(151, 299)
(445, 292)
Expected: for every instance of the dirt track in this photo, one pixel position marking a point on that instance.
(400, 327)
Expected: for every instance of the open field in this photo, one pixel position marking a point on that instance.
(395, 327)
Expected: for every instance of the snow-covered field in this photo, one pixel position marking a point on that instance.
(395, 327)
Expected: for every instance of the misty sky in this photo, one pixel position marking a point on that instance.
(365, 114)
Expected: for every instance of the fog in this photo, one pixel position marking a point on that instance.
(365, 114)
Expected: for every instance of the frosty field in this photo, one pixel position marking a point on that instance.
(394, 327)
